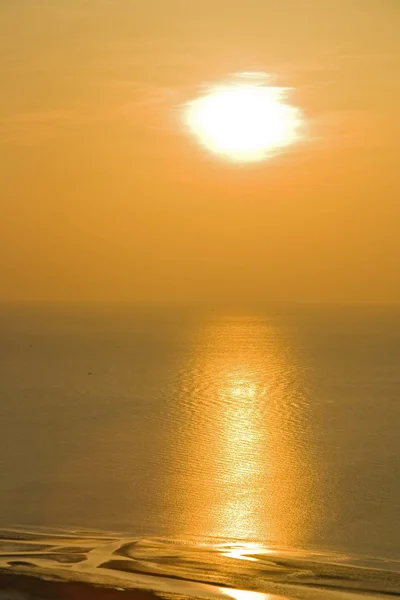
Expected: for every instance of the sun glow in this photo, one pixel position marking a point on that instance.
(245, 120)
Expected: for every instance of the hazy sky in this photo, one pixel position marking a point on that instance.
(104, 196)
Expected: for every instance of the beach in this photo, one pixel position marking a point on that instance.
(168, 449)
(75, 565)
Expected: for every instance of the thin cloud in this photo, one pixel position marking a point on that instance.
(31, 128)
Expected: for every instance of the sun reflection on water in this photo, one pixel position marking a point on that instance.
(242, 445)
(243, 551)
(247, 595)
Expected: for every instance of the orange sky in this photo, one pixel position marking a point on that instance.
(105, 197)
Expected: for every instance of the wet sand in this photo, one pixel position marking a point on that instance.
(95, 566)
(37, 587)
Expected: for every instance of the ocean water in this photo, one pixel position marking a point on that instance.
(260, 430)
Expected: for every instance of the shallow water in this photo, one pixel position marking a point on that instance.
(186, 567)
(274, 426)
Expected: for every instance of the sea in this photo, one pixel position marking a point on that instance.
(201, 451)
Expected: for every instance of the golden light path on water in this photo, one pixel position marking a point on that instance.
(226, 453)
(248, 595)
(245, 119)
(244, 471)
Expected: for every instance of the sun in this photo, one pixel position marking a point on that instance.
(244, 121)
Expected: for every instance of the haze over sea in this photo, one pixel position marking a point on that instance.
(277, 425)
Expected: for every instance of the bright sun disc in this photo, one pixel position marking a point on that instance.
(244, 121)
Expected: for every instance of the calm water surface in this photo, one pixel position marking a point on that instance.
(272, 425)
